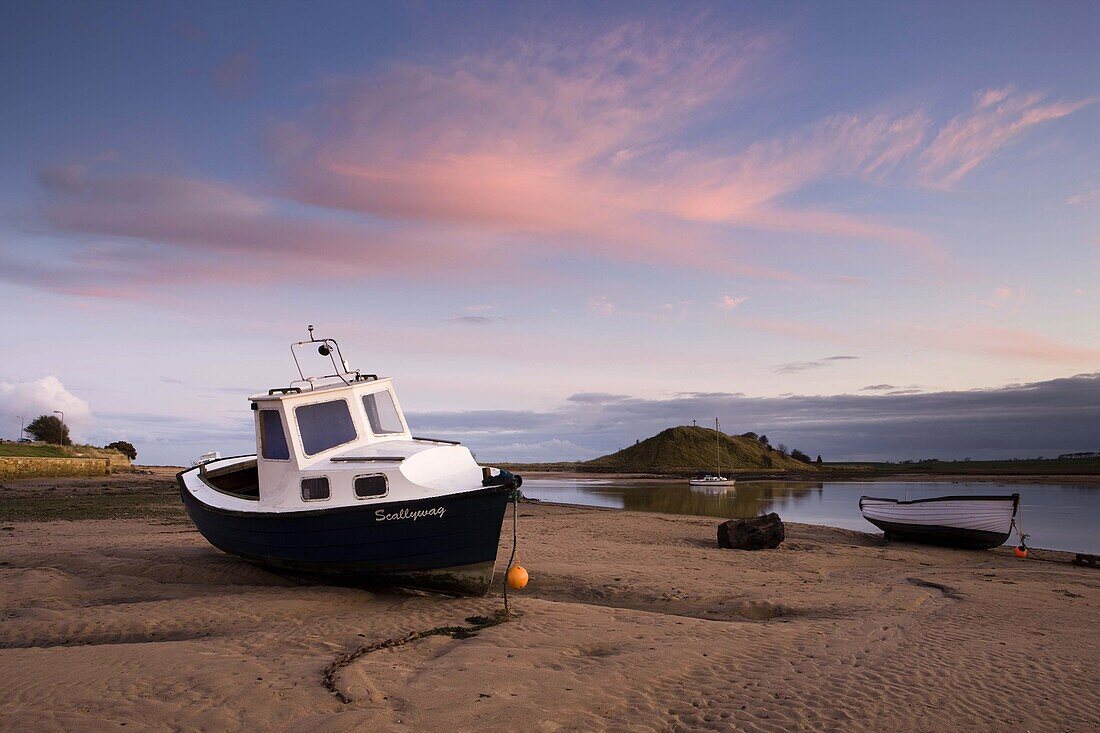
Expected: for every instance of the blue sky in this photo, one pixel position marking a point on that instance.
(505, 205)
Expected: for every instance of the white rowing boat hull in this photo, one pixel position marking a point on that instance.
(977, 522)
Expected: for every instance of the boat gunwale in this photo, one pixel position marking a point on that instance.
(959, 497)
(185, 493)
(202, 473)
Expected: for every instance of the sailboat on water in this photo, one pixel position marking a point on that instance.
(716, 481)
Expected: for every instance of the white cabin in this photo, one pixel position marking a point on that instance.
(343, 444)
(341, 440)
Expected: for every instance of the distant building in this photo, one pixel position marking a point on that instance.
(1092, 454)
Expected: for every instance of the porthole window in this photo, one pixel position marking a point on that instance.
(315, 488)
(371, 486)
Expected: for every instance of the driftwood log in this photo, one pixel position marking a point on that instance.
(765, 532)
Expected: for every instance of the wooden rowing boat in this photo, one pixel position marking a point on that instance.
(978, 522)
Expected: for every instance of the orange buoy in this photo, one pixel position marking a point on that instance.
(1020, 551)
(517, 577)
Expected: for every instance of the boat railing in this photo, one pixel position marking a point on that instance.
(437, 440)
(312, 383)
(330, 349)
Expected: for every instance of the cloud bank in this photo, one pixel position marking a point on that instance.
(1040, 418)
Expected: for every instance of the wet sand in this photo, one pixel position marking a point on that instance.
(632, 621)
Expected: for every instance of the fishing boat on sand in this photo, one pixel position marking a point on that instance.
(976, 522)
(340, 490)
(716, 482)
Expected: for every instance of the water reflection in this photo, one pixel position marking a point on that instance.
(747, 499)
(1058, 516)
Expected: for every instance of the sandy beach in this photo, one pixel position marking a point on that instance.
(116, 613)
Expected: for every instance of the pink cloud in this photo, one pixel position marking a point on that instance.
(535, 139)
(235, 74)
(572, 146)
(1006, 343)
(190, 31)
(580, 141)
(731, 186)
(138, 231)
(998, 116)
(1088, 199)
(1003, 298)
(673, 312)
(729, 302)
(798, 330)
(600, 305)
(980, 340)
(747, 189)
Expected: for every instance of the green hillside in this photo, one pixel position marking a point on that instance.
(688, 449)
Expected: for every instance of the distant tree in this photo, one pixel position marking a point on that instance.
(126, 449)
(782, 449)
(49, 429)
(818, 461)
(763, 440)
(799, 455)
(750, 435)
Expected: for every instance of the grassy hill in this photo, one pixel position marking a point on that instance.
(687, 449)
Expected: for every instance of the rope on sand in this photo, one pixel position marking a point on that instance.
(477, 623)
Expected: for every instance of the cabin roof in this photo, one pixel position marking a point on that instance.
(307, 389)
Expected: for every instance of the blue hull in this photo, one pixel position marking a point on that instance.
(450, 546)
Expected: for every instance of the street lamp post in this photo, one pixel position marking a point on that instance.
(20, 428)
(61, 440)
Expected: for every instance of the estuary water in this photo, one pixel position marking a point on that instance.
(1057, 516)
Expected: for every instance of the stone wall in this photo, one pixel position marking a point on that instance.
(119, 462)
(12, 467)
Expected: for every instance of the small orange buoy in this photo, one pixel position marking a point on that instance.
(517, 577)
(1020, 551)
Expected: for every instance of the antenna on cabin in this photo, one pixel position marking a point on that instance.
(329, 348)
(324, 349)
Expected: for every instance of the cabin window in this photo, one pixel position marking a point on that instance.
(382, 413)
(370, 486)
(316, 488)
(272, 438)
(324, 425)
